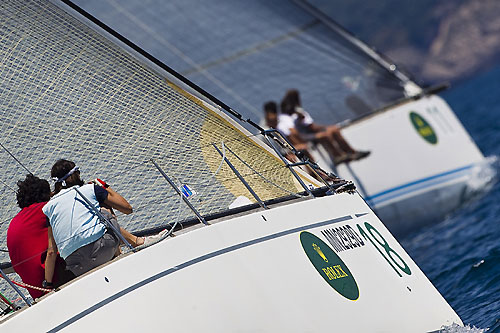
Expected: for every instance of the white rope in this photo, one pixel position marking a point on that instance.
(26, 286)
(223, 158)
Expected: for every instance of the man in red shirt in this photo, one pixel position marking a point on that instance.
(27, 238)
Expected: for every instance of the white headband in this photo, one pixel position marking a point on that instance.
(63, 178)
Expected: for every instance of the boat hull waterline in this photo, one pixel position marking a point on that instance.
(414, 175)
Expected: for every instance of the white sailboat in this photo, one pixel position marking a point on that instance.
(303, 256)
(423, 164)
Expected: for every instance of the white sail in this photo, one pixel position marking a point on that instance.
(68, 92)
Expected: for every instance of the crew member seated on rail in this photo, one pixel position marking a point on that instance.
(75, 229)
(295, 117)
(27, 237)
(274, 120)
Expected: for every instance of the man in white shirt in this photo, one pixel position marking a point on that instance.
(329, 137)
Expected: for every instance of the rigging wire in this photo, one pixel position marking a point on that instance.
(298, 34)
(334, 26)
(25, 168)
(310, 42)
(170, 231)
(186, 58)
(222, 159)
(264, 178)
(177, 154)
(8, 186)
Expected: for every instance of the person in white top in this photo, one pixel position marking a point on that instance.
(302, 128)
(75, 229)
(285, 124)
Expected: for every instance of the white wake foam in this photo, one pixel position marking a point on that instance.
(455, 328)
(483, 176)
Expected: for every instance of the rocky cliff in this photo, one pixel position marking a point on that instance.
(468, 40)
(435, 40)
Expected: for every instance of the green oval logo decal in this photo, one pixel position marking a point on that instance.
(329, 266)
(423, 128)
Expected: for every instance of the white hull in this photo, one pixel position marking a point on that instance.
(252, 274)
(409, 180)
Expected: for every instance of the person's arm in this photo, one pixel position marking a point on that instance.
(50, 260)
(315, 128)
(296, 139)
(116, 201)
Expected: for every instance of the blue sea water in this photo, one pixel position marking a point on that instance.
(461, 255)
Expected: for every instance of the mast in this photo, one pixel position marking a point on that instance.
(411, 88)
